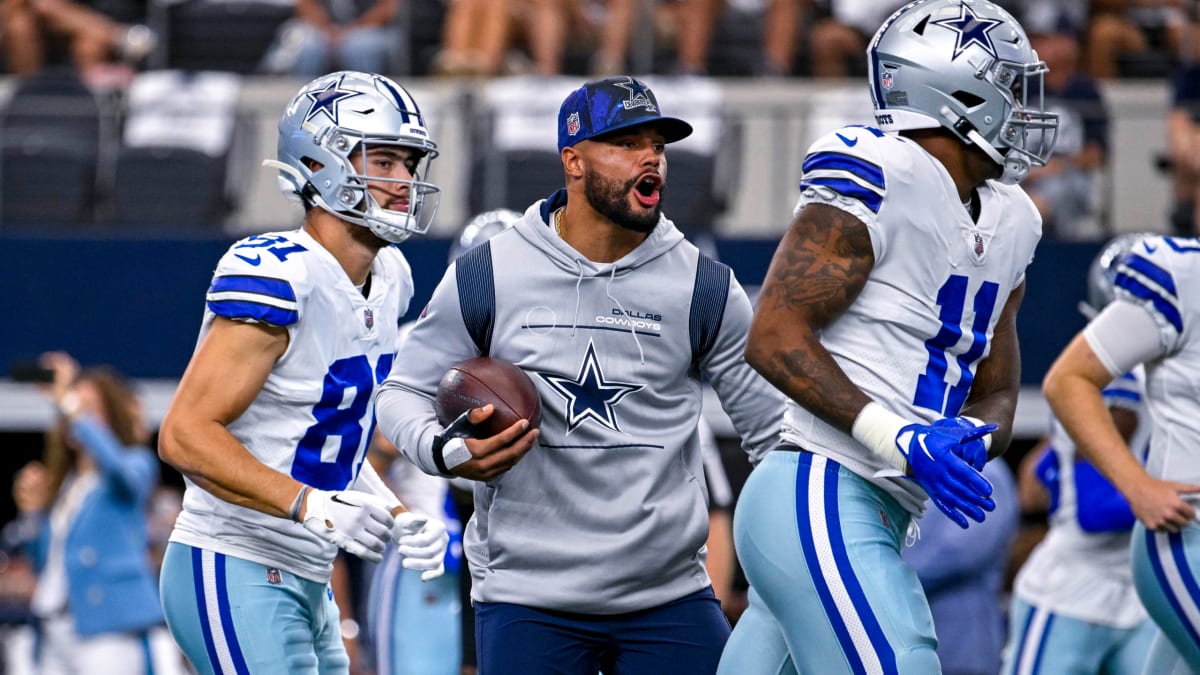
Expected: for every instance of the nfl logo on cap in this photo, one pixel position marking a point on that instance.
(573, 124)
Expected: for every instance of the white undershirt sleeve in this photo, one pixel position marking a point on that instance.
(1123, 335)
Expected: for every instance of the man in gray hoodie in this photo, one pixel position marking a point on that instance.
(587, 544)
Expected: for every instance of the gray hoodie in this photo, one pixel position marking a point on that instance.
(608, 512)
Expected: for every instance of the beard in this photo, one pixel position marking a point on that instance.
(610, 199)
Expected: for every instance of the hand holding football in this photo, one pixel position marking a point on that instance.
(477, 382)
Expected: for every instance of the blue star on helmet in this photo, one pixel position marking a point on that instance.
(971, 30)
(589, 395)
(324, 101)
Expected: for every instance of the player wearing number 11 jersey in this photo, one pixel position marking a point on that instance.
(888, 316)
(273, 416)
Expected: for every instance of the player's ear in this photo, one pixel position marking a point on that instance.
(572, 161)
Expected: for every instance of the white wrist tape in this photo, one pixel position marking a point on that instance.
(455, 452)
(877, 429)
(987, 440)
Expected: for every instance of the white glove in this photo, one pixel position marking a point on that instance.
(422, 541)
(356, 521)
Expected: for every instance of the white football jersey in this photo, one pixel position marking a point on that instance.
(1162, 274)
(314, 416)
(924, 320)
(1073, 572)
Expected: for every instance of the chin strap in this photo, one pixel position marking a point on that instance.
(1014, 171)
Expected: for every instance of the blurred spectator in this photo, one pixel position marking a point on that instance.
(329, 35)
(83, 511)
(1128, 31)
(494, 37)
(34, 31)
(962, 572)
(1183, 148)
(1067, 191)
(698, 19)
(838, 40)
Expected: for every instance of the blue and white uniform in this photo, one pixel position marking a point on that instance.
(230, 570)
(1074, 607)
(1160, 276)
(608, 514)
(819, 532)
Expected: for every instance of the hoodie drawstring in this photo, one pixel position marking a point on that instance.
(578, 281)
(632, 328)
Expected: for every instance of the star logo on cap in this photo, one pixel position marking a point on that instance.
(589, 395)
(639, 95)
(325, 100)
(971, 30)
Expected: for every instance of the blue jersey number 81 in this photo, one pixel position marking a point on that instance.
(932, 386)
(337, 418)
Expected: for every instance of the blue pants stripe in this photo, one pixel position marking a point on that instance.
(202, 607)
(1175, 541)
(235, 649)
(810, 534)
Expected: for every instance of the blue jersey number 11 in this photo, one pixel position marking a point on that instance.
(932, 386)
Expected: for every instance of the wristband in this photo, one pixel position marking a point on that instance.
(987, 440)
(877, 428)
(298, 503)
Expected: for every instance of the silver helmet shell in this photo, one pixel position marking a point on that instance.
(1102, 272)
(332, 117)
(965, 65)
(482, 227)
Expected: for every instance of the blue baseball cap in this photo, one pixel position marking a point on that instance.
(603, 106)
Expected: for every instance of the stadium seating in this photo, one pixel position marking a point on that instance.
(51, 139)
(172, 168)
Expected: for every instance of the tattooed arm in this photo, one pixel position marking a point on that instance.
(817, 272)
(997, 382)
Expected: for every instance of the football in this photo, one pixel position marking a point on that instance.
(482, 380)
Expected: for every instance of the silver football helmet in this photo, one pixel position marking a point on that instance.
(332, 117)
(1102, 272)
(481, 228)
(965, 65)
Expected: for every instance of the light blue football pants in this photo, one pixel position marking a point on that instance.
(1166, 568)
(235, 617)
(829, 591)
(1041, 642)
(416, 626)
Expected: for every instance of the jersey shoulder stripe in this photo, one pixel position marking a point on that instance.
(266, 299)
(847, 175)
(1148, 282)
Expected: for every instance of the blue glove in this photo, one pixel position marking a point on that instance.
(954, 486)
(971, 445)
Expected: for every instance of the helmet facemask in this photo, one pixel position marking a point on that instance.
(1026, 138)
(343, 190)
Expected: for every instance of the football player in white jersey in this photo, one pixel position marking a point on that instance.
(1074, 608)
(888, 316)
(1151, 322)
(272, 417)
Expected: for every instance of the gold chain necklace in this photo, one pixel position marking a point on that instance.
(558, 216)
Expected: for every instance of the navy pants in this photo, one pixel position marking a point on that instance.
(682, 636)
